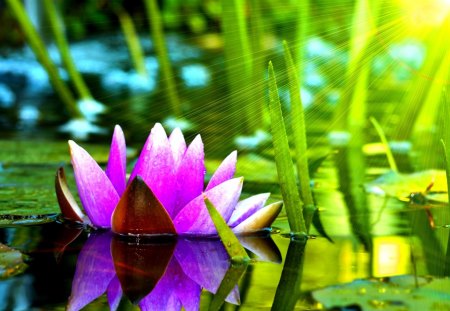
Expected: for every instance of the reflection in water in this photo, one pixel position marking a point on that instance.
(158, 275)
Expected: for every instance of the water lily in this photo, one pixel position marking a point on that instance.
(156, 275)
(165, 192)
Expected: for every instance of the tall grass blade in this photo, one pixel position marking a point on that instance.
(232, 245)
(283, 160)
(299, 132)
(39, 49)
(132, 39)
(239, 64)
(387, 148)
(57, 27)
(168, 77)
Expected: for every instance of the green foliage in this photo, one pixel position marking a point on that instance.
(283, 160)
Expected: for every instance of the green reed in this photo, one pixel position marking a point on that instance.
(167, 76)
(39, 49)
(133, 42)
(283, 160)
(57, 28)
(299, 136)
(239, 62)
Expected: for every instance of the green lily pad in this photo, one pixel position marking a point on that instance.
(11, 262)
(43, 151)
(399, 293)
(402, 185)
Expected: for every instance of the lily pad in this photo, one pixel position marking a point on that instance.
(399, 293)
(11, 262)
(43, 151)
(402, 185)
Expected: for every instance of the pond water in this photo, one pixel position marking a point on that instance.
(67, 266)
(372, 245)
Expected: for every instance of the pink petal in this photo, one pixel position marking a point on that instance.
(204, 261)
(260, 220)
(224, 172)
(117, 162)
(94, 271)
(97, 193)
(178, 146)
(114, 294)
(156, 166)
(194, 218)
(247, 207)
(190, 175)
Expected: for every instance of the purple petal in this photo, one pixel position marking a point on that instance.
(246, 208)
(117, 162)
(97, 194)
(187, 290)
(114, 294)
(190, 175)
(156, 166)
(260, 220)
(234, 297)
(178, 146)
(194, 218)
(204, 261)
(224, 172)
(163, 295)
(94, 272)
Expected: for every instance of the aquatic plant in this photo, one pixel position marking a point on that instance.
(163, 275)
(165, 192)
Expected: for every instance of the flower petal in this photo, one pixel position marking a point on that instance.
(140, 213)
(205, 261)
(114, 294)
(69, 207)
(194, 218)
(156, 166)
(117, 161)
(140, 266)
(224, 172)
(263, 247)
(94, 271)
(97, 194)
(246, 208)
(260, 220)
(177, 145)
(190, 175)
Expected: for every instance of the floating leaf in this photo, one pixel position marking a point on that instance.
(400, 293)
(11, 262)
(402, 185)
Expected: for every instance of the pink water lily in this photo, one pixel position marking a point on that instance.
(165, 192)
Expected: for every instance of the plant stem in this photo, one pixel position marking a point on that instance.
(389, 155)
(283, 160)
(239, 62)
(167, 76)
(57, 27)
(132, 38)
(299, 134)
(42, 56)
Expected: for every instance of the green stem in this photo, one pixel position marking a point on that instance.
(168, 80)
(385, 142)
(42, 56)
(239, 63)
(299, 132)
(283, 159)
(134, 45)
(57, 27)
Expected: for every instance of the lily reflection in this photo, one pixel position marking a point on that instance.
(163, 275)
